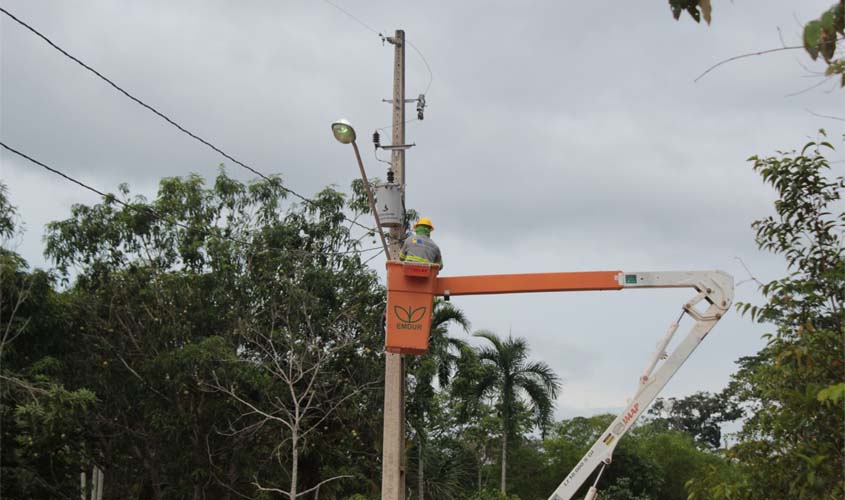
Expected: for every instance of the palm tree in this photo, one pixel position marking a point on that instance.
(516, 384)
(439, 363)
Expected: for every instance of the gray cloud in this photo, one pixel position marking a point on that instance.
(558, 136)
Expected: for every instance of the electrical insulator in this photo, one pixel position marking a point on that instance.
(420, 106)
(390, 175)
(376, 139)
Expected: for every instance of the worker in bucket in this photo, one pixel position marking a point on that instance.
(419, 247)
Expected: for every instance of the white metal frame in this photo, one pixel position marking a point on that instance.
(716, 288)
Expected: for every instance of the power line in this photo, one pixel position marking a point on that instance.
(161, 115)
(357, 20)
(151, 211)
(405, 122)
(383, 38)
(430, 73)
(381, 251)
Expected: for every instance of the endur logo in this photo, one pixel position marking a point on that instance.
(408, 318)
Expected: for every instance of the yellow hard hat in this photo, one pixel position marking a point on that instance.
(424, 221)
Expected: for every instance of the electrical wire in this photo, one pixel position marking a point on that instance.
(430, 73)
(151, 211)
(274, 180)
(357, 20)
(381, 251)
(375, 153)
(405, 122)
(383, 38)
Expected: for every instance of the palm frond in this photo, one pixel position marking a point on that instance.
(540, 400)
(444, 314)
(545, 374)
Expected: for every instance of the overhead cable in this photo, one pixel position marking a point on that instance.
(168, 119)
(383, 38)
(151, 211)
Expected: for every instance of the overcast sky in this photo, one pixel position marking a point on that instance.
(559, 136)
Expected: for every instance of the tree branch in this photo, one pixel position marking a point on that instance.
(751, 54)
(825, 116)
(345, 476)
(743, 56)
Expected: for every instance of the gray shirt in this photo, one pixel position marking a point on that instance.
(421, 248)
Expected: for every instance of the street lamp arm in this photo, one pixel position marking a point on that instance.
(371, 199)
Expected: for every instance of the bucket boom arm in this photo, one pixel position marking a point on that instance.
(716, 289)
(412, 287)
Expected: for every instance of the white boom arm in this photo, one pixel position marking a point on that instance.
(714, 287)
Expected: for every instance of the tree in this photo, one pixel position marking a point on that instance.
(700, 415)
(439, 363)
(42, 421)
(171, 295)
(516, 384)
(448, 459)
(652, 461)
(793, 443)
(301, 373)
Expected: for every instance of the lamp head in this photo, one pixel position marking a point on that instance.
(343, 132)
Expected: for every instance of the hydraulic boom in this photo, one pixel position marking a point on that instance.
(714, 288)
(411, 291)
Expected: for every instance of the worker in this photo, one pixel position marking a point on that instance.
(419, 247)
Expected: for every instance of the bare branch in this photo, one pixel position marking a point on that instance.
(33, 390)
(8, 334)
(825, 116)
(752, 54)
(751, 277)
(274, 490)
(309, 490)
(139, 377)
(335, 406)
(743, 56)
(811, 87)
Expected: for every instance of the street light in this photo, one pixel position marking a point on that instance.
(345, 134)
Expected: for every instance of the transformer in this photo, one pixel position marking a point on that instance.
(390, 205)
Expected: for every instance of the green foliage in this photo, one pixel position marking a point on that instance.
(622, 490)
(834, 393)
(167, 298)
(424, 411)
(491, 494)
(695, 8)
(43, 421)
(700, 415)
(509, 376)
(519, 387)
(7, 213)
(793, 444)
(822, 35)
(652, 461)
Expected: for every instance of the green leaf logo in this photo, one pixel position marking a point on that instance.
(407, 315)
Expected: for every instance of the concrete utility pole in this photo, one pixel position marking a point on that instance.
(393, 468)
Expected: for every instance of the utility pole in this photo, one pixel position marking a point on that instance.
(393, 451)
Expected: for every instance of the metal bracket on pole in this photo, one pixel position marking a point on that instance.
(399, 146)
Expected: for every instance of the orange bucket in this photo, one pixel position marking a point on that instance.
(410, 298)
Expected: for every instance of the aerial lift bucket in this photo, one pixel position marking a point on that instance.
(410, 298)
